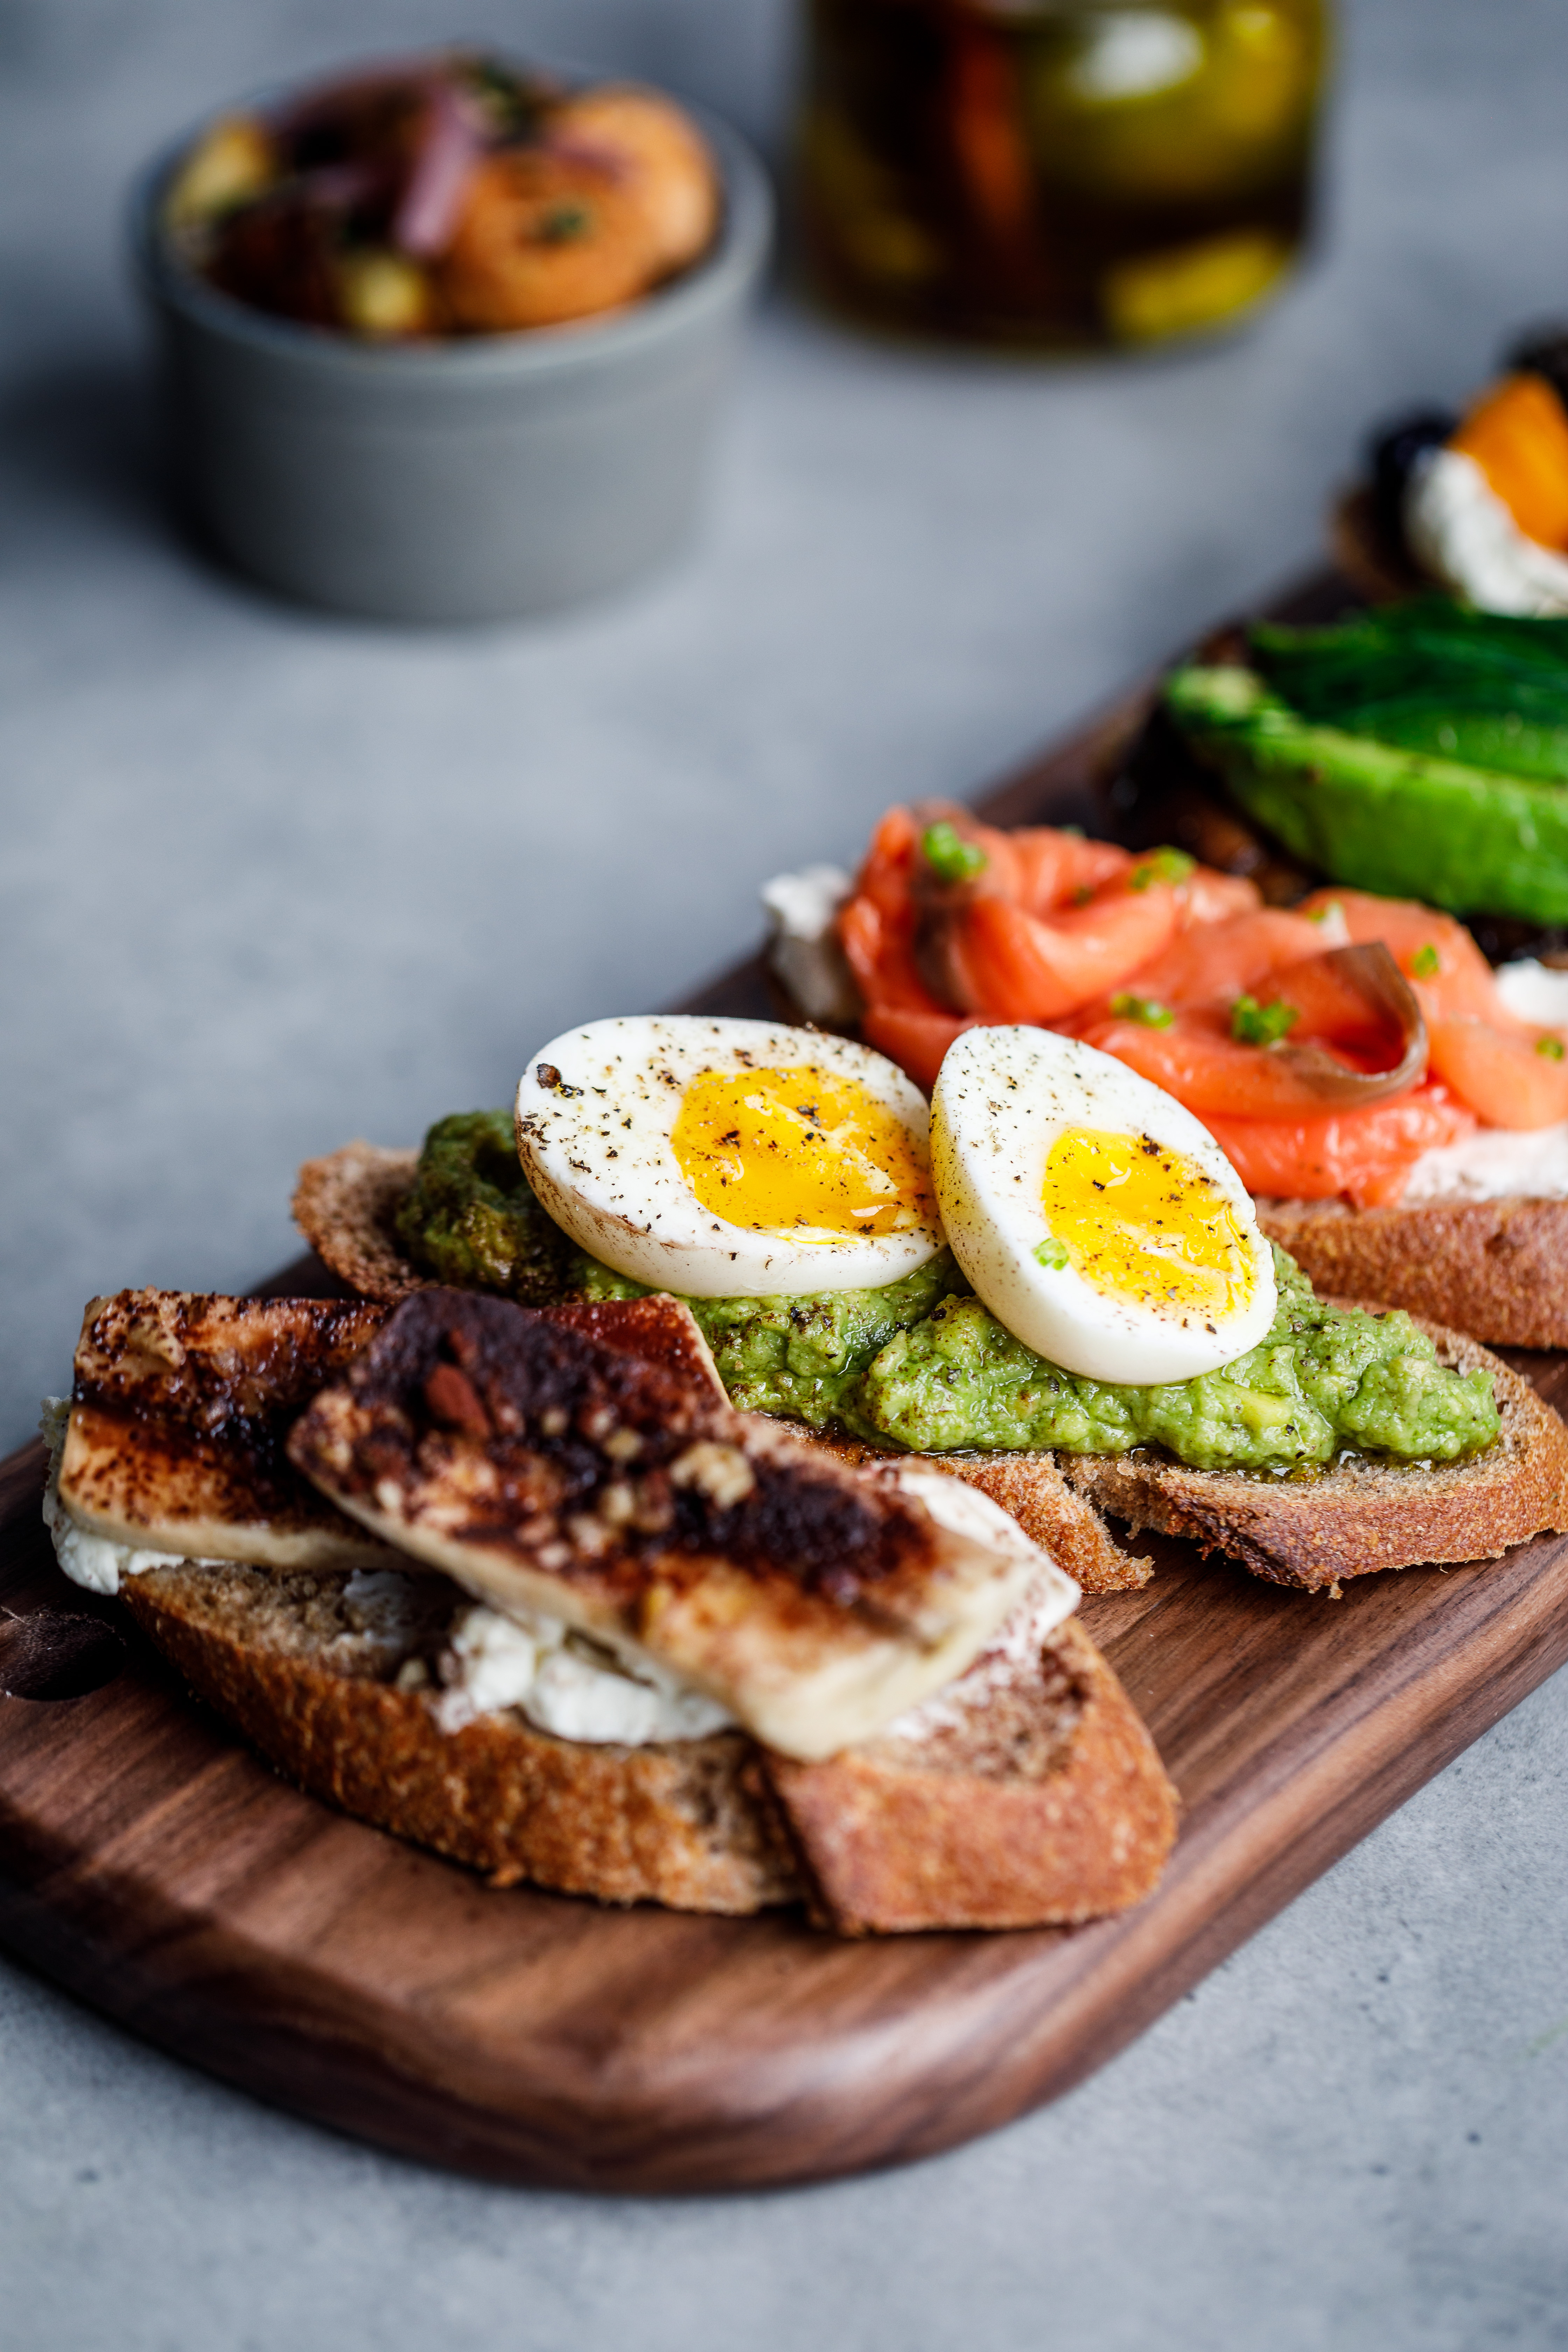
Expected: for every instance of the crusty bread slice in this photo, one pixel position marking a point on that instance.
(289, 1662)
(344, 1205)
(1381, 572)
(1355, 1518)
(1034, 1797)
(1497, 1269)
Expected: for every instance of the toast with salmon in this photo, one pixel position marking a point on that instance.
(678, 1657)
(1311, 1531)
(1370, 1111)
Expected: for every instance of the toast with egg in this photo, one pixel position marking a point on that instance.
(1311, 1532)
(346, 1205)
(1019, 1787)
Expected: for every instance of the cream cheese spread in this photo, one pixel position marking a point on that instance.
(1460, 531)
(805, 952)
(1502, 1164)
(1497, 1163)
(563, 1681)
(1533, 992)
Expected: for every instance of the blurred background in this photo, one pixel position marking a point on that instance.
(273, 880)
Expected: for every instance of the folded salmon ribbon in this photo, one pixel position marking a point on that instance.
(1325, 1046)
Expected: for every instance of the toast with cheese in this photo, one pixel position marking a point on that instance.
(1028, 1794)
(544, 1471)
(1020, 1789)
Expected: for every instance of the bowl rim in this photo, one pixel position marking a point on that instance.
(738, 255)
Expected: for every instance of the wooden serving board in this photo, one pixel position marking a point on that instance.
(156, 1867)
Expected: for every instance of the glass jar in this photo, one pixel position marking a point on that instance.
(1057, 173)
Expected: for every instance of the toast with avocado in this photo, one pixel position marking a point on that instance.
(1374, 1443)
(901, 1728)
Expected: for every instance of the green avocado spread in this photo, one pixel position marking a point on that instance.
(921, 1364)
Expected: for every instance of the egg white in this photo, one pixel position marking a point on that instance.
(595, 1134)
(1003, 1096)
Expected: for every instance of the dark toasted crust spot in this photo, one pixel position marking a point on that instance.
(183, 1402)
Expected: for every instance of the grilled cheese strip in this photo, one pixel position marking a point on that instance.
(180, 1407)
(543, 1470)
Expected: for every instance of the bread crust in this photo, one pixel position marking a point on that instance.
(1355, 1520)
(1498, 1269)
(344, 1205)
(675, 1823)
(1042, 1803)
(1084, 1833)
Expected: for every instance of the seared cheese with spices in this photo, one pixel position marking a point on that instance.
(541, 1469)
(180, 1406)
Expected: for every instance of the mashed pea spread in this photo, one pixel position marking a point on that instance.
(921, 1363)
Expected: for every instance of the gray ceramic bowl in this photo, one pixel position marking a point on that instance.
(460, 481)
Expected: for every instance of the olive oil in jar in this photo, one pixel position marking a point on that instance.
(1057, 173)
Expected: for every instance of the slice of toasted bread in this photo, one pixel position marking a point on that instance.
(344, 1205)
(1356, 1517)
(1028, 1794)
(1497, 1269)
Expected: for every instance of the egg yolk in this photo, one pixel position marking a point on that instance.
(802, 1152)
(1146, 1224)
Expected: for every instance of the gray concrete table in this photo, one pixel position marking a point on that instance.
(271, 881)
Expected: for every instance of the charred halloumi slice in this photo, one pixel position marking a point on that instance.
(180, 1404)
(539, 1468)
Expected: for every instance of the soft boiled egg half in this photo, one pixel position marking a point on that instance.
(1094, 1215)
(729, 1158)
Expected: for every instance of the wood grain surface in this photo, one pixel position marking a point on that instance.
(156, 1868)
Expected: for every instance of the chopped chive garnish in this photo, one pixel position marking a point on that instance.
(1424, 962)
(1252, 1024)
(1161, 866)
(1552, 1047)
(1147, 1010)
(1051, 1252)
(949, 856)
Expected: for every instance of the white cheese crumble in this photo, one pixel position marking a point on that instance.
(95, 1562)
(563, 1681)
(1460, 531)
(805, 950)
(1497, 1163)
(1533, 992)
